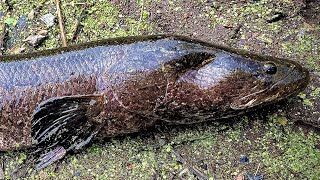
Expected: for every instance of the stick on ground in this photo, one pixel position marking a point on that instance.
(61, 26)
(194, 170)
(78, 25)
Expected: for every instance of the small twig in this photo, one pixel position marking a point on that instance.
(234, 33)
(257, 170)
(78, 25)
(62, 31)
(194, 170)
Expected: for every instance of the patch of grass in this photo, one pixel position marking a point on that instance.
(102, 20)
(11, 21)
(305, 100)
(292, 154)
(315, 92)
(111, 23)
(274, 146)
(307, 45)
(257, 13)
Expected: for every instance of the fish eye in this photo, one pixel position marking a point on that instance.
(270, 68)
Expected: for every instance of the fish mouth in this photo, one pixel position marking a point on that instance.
(294, 82)
(291, 84)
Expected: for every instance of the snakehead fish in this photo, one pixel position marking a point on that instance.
(67, 96)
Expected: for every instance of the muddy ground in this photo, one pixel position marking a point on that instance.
(280, 141)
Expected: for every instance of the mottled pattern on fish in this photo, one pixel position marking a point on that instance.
(138, 82)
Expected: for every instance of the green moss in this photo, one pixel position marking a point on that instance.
(315, 92)
(264, 38)
(292, 153)
(252, 14)
(22, 157)
(279, 119)
(276, 147)
(105, 21)
(304, 45)
(305, 100)
(11, 21)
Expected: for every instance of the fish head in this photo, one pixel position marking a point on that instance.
(266, 80)
(226, 82)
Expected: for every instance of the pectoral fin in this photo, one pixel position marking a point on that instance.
(70, 122)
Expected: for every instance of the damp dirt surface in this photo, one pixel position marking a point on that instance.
(278, 141)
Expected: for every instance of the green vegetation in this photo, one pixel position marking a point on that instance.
(290, 153)
(252, 15)
(11, 22)
(274, 146)
(101, 20)
(307, 45)
(305, 101)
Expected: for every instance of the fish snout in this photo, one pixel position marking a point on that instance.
(298, 78)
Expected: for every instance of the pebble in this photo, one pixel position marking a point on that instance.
(34, 40)
(77, 174)
(48, 19)
(31, 14)
(244, 159)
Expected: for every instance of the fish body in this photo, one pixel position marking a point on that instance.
(68, 96)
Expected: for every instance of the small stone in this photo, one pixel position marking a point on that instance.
(254, 177)
(258, 177)
(48, 19)
(203, 165)
(31, 15)
(35, 40)
(244, 159)
(77, 174)
(239, 177)
(276, 17)
(18, 50)
(22, 22)
(43, 32)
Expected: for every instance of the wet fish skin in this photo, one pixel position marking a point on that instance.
(124, 85)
